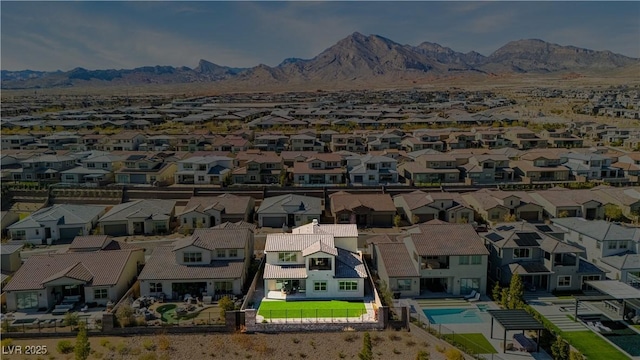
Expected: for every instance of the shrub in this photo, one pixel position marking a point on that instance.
(225, 304)
(422, 355)
(104, 342)
(396, 351)
(453, 354)
(366, 353)
(71, 319)
(164, 343)
(6, 342)
(394, 337)
(560, 349)
(410, 343)
(350, 337)
(149, 345)
(64, 347)
(122, 349)
(83, 347)
(148, 356)
(440, 349)
(576, 355)
(295, 340)
(124, 315)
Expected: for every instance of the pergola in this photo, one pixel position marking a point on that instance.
(613, 290)
(516, 319)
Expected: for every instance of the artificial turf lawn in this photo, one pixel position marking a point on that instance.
(310, 309)
(476, 343)
(592, 346)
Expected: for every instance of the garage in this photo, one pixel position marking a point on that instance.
(138, 178)
(274, 221)
(115, 229)
(529, 215)
(425, 217)
(382, 220)
(68, 234)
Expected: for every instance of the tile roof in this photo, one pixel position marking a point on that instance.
(295, 242)
(147, 208)
(302, 204)
(216, 238)
(65, 214)
(337, 230)
(240, 224)
(377, 202)
(396, 259)
(89, 242)
(272, 271)
(162, 265)
(6, 249)
(231, 204)
(105, 267)
(447, 240)
(597, 229)
(622, 261)
(319, 246)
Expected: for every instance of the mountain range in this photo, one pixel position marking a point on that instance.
(355, 58)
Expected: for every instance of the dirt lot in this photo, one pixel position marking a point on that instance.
(321, 346)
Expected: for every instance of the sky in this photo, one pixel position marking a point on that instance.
(121, 35)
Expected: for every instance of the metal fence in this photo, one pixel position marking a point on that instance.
(456, 339)
(316, 316)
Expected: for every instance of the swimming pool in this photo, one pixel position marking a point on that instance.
(453, 316)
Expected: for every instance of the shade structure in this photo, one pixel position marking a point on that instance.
(515, 319)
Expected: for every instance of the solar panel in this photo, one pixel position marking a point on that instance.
(505, 228)
(544, 228)
(527, 239)
(494, 237)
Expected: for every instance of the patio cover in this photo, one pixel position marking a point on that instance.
(615, 288)
(516, 319)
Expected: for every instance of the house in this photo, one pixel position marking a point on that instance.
(205, 211)
(524, 139)
(86, 243)
(491, 139)
(430, 168)
(542, 261)
(314, 265)
(561, 202)
(275, 143)
(10, 260)
(203, 170)
(319, 169)
(93, 277)
(590, 166)
(487, 168)
(386, 140)
(347, 142)
(289, 210)
(45, 167)
(149, 216)
(449, 258)
(561, 138)
(96, 167)
(231, 143)
(541, 165)
(364, 210)
(7, 218)
(257, 167)
(626, 198)
(16, 142)
(419, 206)
(425, 141)
(61, 140)
(496, 205)
(211, 262)
(372, 170)
(151, 169)
(395, 267)
(614, 247)
(123, 141)
(304, 142)
(58, 223)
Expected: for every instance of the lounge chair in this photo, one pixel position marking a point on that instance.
(475, 298)
(473, 293)
(599, 325)
(523, 343)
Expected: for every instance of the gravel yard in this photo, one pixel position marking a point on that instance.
(391, 345)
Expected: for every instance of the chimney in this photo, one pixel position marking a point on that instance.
(315, 222)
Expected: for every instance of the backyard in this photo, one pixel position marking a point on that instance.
(475, 342)
(278, 309)
(593, 346)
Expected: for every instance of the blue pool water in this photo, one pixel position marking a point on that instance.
(453, 316)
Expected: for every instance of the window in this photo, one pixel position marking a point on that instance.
(622, 244)
(404, 284)
(105, 165)
(91, 165)
(233, 253)
(344, 217)
(27, 300)
(319, 286)
(372, 177)
(221, 253)
(564, 281)
(316, 165)
(348, 286)
(521, 253)
(468, 285)
(160, 226)
(612, 245)
(463, 260)
(200, 178)
(190, 257)
(19, 235)
(100, 294)
(184, 220)
(476, 260)
(223, 287)
(598, 245)
(37, 232)
(287, 257)
(155, 287)
(301, 178)
(320, 264)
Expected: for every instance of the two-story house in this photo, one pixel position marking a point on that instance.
(97, 168)
(611, 246)
(16, 142)
(423, 140)
(205, 211)
(314, 264)
(386, 140)
(320, 169)
(44, 167)
(487, 169)
(61, 140)
(257, 167)
(419, 206)
(211, 263)
(347, 142)
(430, 168)
(305, 142)
(540, 166)
(372, 170)
(123, 141)
(543, 262)
(203, 170)
(561, 138)
(152, 169)
(496, 205)
(491, 139)
(448, 258)
(590, 166)
(524, 139)
(231, 143)
(268, 142)
(364, 210)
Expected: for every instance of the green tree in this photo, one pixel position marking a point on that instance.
(504, 298)
(496, 291)
(560, 349)
(396, 220)
(367, 351)
(516, 292)
(225, 304)
(83, 347)
(385, 293)
(612, 212)
(124, 315)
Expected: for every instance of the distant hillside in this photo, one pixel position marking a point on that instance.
(357, 57)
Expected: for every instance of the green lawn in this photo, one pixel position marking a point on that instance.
(476, 343)
(636, 326)
(310, 309)
(592, 346)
